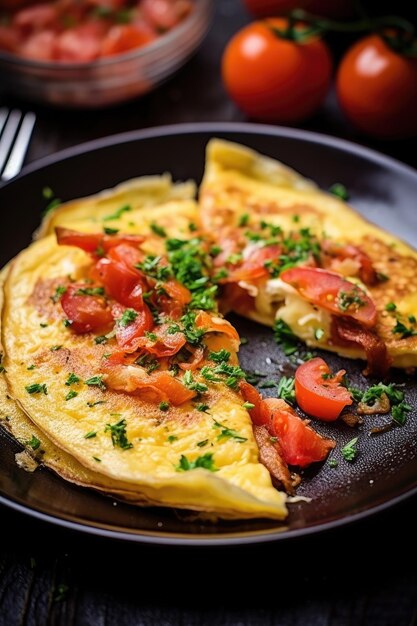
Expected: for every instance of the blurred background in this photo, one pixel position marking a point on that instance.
(196, 91)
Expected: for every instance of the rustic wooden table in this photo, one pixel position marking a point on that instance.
(363, 574)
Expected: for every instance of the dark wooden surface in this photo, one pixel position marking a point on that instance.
(364, 574)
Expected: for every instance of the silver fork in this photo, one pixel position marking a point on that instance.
(15, 132)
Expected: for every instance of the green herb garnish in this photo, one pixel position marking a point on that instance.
(118, 435)
(205, 461)
(117, 214)
(37, 388)
(350, 452)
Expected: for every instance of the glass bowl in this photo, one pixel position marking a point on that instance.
(109, 80)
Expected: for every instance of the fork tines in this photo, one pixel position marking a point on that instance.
(15, 133)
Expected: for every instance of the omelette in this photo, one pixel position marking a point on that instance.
(302, 260)
(119, 370)
(120, 377)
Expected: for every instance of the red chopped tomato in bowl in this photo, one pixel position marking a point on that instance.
(70, 31)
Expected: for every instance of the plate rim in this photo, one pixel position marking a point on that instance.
(227, 538)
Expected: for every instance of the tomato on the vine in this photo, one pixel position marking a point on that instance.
(277, 73)
(377, 88)
(326, 8)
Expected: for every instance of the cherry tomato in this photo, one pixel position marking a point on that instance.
(81, 43)
(39, 46)
(97, 243)
(300, 444)
(126, 335)
(367, 272)
(274, 78)
(318, 393)
(377, 89)
(333, 293)
(327, 8)
(122, 283)
(86, 313)
(253, 267)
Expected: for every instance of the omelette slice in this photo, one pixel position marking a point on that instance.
(124, 201)
(302, 260)
(155, 411)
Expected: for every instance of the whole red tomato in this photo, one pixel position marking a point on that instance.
(377, 89)
(326, 8)
(274, 78)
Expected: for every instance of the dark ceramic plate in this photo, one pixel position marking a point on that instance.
(386, 468)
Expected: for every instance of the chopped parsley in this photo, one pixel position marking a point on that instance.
(90, 435)
(228, 433)
(59, 292)
(72, 379)
(202, 443)
(233, 374)
(399, 413)
(66, 323)
(268, 384)
(31, 367)
(110, 231)
(164, 406)
(158, 230)
(373, 393)
(349, 451)
(96, 381)
(117, 214)
(403, 330)
(71, 394)
(192, 227)
(203, 408)
(127, 318)
(151, 266)
(205, 461)
(390, 306)
(151, 336)
(333, 463)
(347, 300)
(90, 291)
(149, 363)
(339, 190)
(220, 356)
(100, 339)
(286, 389)
(55, 348)
(248, 406)
(244, 219)
(44, 324)
(93, 404)
(118, 435)
(193, 385)
(37, 388)
(192, 334)
(33, 443)
(284, 336)
(172, 438)
(96, 459)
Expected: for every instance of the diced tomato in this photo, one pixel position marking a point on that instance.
(253, 267)
(127, 37)
(215, 324)
(165, 14)
(333, 293)
(122, 283)
(300, 444)
(36, 17)
(86, 313)
(318, 393)
(367, 272)
(156, 387)
(9, 39)
(161, 342)
(127, 335)
(99, 243)
(81, 43)
(39, 46)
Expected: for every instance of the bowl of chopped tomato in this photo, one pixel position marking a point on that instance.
(94, 53)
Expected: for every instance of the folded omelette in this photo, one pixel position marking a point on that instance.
(119, 371)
